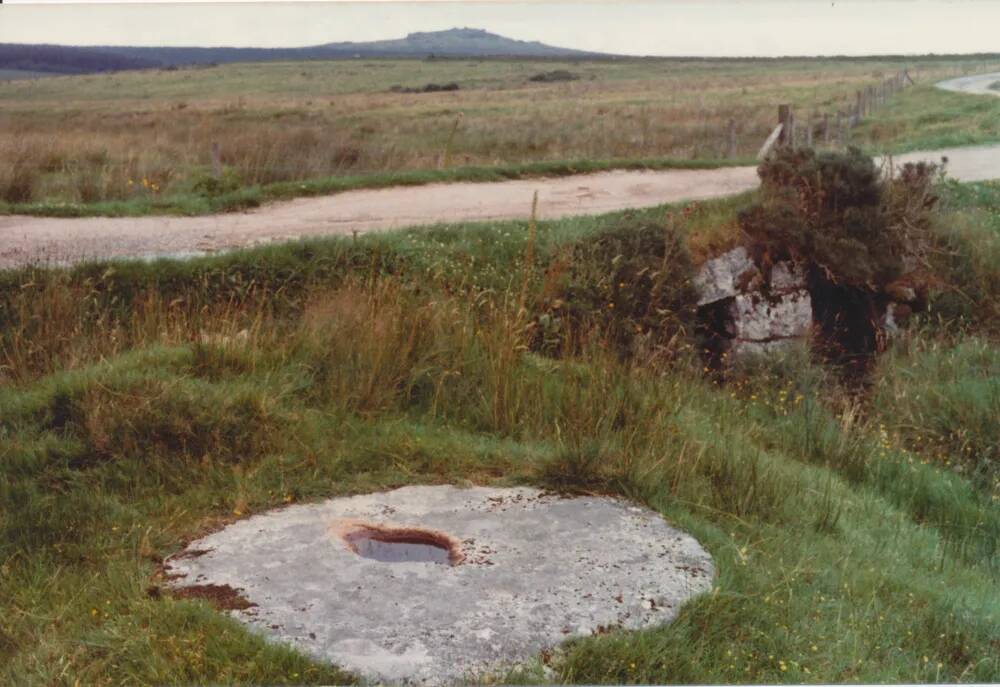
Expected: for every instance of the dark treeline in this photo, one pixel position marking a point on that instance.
(452, 43)
(67, 60)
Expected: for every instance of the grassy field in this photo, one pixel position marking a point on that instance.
(139, 142)
(855, 534)
(926, 118)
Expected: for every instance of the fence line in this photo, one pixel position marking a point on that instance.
(816, 127)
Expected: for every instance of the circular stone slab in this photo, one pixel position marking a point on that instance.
(531, 570)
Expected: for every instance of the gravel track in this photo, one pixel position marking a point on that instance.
(61, 241)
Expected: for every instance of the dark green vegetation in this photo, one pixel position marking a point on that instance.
(855, 533)
(14, 74)
(462, 43)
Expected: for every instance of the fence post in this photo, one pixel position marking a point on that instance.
(860, 104)
(732, 139)
(784, 116)
(809, 133)
(216, 161)
(826, 128)
(791, 128)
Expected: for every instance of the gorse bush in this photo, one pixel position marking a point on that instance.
(862, 235)
(837, 214)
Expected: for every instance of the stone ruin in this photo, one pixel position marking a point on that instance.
(748, 311)
(745, 309)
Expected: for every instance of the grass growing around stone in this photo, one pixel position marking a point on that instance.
(145, 404)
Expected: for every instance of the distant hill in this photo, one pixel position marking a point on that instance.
(61, 59)
(456, 43)
(451, 43)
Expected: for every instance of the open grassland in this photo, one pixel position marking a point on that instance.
(856, 533)
(140, 142)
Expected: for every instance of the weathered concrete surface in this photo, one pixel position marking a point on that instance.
(538, 569)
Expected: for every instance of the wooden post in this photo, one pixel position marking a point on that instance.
(809, 133)
(784, 115)
(860, 104)
(791, 129)
(732, 139)
(769, 142)
(216, 161)
(826, 128)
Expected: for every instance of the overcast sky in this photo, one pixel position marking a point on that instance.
(648, 27)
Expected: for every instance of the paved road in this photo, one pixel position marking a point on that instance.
(27, 240)
(978, 84)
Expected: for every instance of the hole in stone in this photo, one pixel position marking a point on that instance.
(402, 545)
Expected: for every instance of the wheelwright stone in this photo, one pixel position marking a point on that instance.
(538, 569)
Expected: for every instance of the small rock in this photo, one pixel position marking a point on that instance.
(901, 292)
(895, 318)
(720, 277)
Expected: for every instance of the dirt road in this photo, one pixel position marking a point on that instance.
(28, 240)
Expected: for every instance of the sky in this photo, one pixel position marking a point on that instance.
(632, 27)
